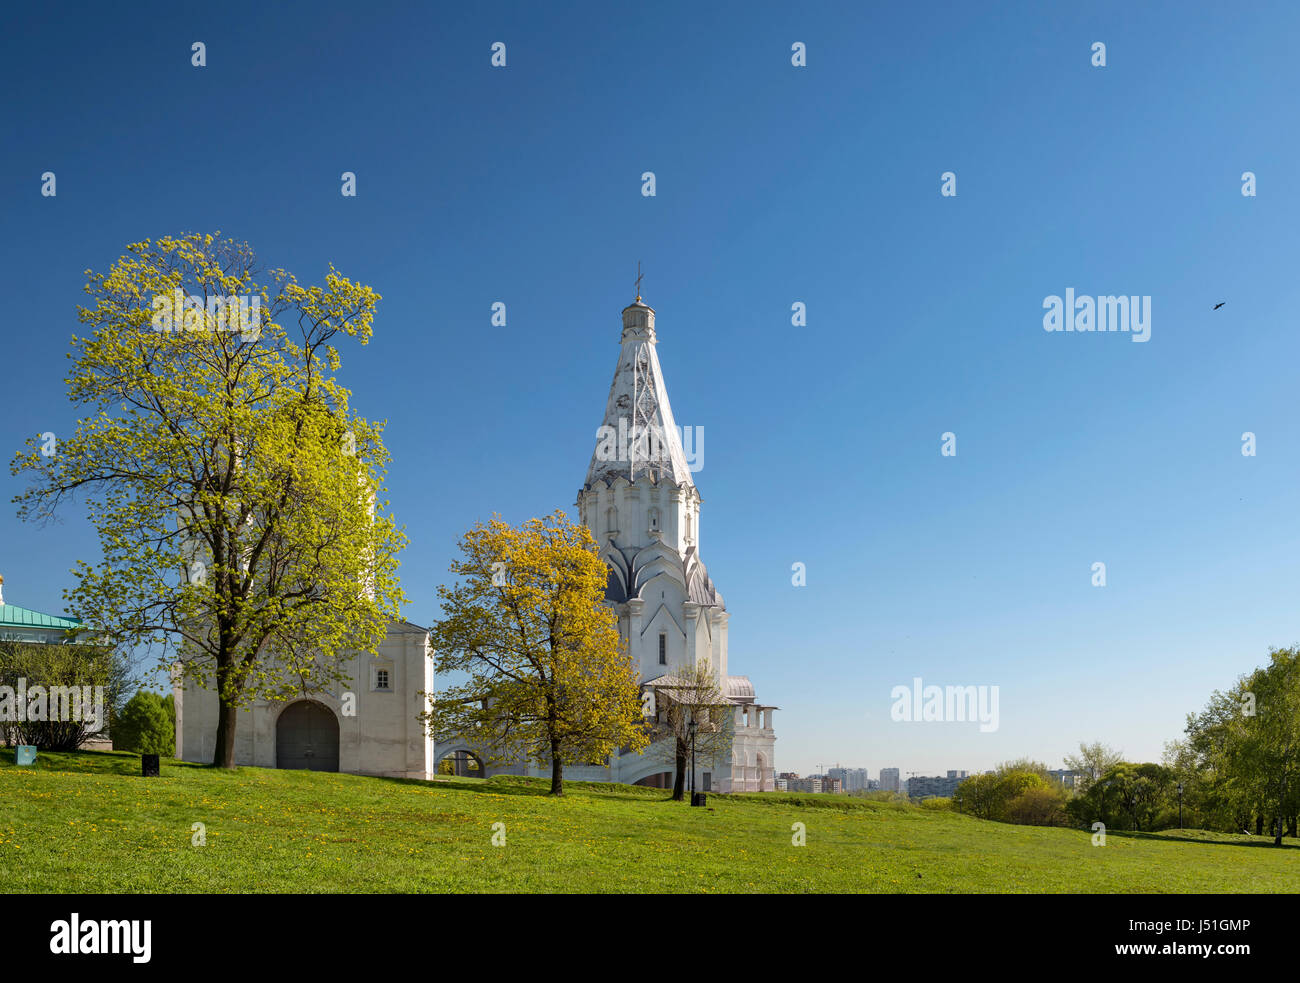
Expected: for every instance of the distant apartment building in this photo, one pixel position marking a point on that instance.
(927, 787)
(854, 779)
(793, 783)
(889, 780)
(789, 781)
(1068, 778)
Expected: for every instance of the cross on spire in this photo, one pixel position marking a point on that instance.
(638, 281)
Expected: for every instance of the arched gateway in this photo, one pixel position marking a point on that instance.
(307, 737)
(461, 764)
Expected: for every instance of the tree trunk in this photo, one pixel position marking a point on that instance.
(1259, 825)
(223, 755)
(1277, 821)
(557, 770)
(1290, 829)
(679, 779)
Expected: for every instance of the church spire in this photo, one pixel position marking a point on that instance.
(638, 438)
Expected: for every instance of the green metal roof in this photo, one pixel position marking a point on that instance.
(12, 616)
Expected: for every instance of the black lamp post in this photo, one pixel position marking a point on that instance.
(691, 727)
(1180, 805)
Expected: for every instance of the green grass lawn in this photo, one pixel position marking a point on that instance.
(87, 822)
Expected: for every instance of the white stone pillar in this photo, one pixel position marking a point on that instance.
(674, 533)
(692, 612)
(635, 611)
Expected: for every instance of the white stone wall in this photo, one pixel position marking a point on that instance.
(621, 517)
(642, 513)
(385, 737)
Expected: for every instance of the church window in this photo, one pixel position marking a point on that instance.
(382, 678)
(654, 520)
(663, 648)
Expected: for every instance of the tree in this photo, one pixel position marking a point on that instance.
(232, 488)
(1274, 738)
(976, 795)
(1247, 741)
(549, 679)
(1025, 766)
(1214, 740)
(56, 667)
(1138, 793)
(990, 796)
(1208, 801)
(1039, 805)
(144, 726)
(1092, 761)
(169, 707)
(692, 693)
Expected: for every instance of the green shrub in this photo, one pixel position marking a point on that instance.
(989, 796)
(70, 664)
(145, 726)
(1039, 805)
(1130, 796)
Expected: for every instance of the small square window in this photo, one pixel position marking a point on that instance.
(383, 678)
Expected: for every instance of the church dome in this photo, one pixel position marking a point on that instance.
(739, 688)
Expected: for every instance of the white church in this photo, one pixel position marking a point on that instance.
(642, 506)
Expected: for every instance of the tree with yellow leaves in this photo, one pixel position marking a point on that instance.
(232, 488)
(547, 678)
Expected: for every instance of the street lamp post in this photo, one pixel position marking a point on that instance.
(1180, 805)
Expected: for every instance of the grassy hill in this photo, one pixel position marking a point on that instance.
(88, 823)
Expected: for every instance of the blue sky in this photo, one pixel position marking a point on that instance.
(775, 184)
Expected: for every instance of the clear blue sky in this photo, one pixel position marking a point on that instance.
(775, 184)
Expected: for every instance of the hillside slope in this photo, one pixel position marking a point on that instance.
(87, 823)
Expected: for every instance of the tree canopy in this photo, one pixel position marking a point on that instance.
(546, 677)
(233, 490)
